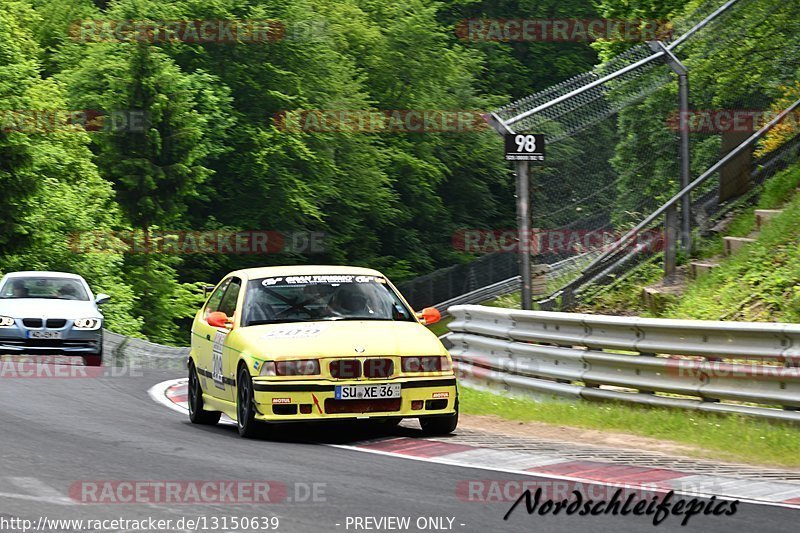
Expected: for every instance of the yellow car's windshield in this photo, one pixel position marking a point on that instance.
(310, 298)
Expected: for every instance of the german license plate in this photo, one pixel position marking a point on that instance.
(44, 334)
(367, 392)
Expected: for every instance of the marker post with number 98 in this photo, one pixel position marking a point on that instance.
(525, 147)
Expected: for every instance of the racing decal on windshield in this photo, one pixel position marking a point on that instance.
(217, 374)
(337, 279)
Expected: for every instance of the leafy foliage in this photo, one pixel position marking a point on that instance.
(210, 153)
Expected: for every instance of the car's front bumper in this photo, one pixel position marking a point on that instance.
(16, 340)
(283, 401)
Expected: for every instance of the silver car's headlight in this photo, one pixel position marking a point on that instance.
(6, 321)
(87, 323)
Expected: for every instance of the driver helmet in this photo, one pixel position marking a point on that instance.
(350, 299)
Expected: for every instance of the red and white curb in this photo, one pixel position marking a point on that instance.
(174, 394)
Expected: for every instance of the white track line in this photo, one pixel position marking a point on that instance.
(43, 499)
(162, 399)
(158, 393)
(38, 491)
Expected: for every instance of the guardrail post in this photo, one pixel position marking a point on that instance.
(670, 242)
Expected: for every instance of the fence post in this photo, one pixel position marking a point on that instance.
(670, 242)
(523, 230)
(685, 156)
(686, 201)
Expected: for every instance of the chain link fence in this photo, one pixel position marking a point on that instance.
(448, 283)
(614, 134)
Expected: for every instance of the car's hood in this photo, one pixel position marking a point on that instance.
(339, 339)
(43, 307)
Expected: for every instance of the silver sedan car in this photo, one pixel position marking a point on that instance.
(50, 313)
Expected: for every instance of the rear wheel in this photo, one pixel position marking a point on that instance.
(439, 425)
(245, 405)
(196, 412)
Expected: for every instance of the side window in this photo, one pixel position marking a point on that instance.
(228, 304)
(216, 297)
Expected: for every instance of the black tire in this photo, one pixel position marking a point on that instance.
(94, 360)
(439, 425)
(382, 424)
(246, 422)
(388, 423)
(196, 412)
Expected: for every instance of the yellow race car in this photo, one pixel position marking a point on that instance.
(307, 343)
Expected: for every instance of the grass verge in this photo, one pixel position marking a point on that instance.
(440, 328)
(728, 438)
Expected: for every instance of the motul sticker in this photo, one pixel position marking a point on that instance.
(281, 400)
(441, 395)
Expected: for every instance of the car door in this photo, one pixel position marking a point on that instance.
(203, 337)
(223, 358)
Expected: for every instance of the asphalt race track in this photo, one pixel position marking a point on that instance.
(61, 433)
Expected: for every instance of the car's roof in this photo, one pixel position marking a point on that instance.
(304, 270)
(42, 274)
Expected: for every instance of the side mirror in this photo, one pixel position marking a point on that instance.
(101, 298)
(429, 315)
(218, 319)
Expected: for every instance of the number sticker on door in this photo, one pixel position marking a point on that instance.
(216, 354)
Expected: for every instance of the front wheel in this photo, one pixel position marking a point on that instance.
(245, 405)
(196, 412)
(94, 360)
(439, 425)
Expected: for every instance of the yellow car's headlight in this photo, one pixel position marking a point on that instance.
(267, 369)
(437, 363)
(87, 323)
(6, 321)
(299, 367)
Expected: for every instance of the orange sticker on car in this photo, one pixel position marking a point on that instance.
(441, 395)
(281, 400)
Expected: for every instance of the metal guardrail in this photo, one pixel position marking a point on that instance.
(731, 367)
(121, 350)
(116, 344)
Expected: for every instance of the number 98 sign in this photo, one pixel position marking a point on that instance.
(525, 147)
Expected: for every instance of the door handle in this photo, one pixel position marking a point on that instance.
(208, 337)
